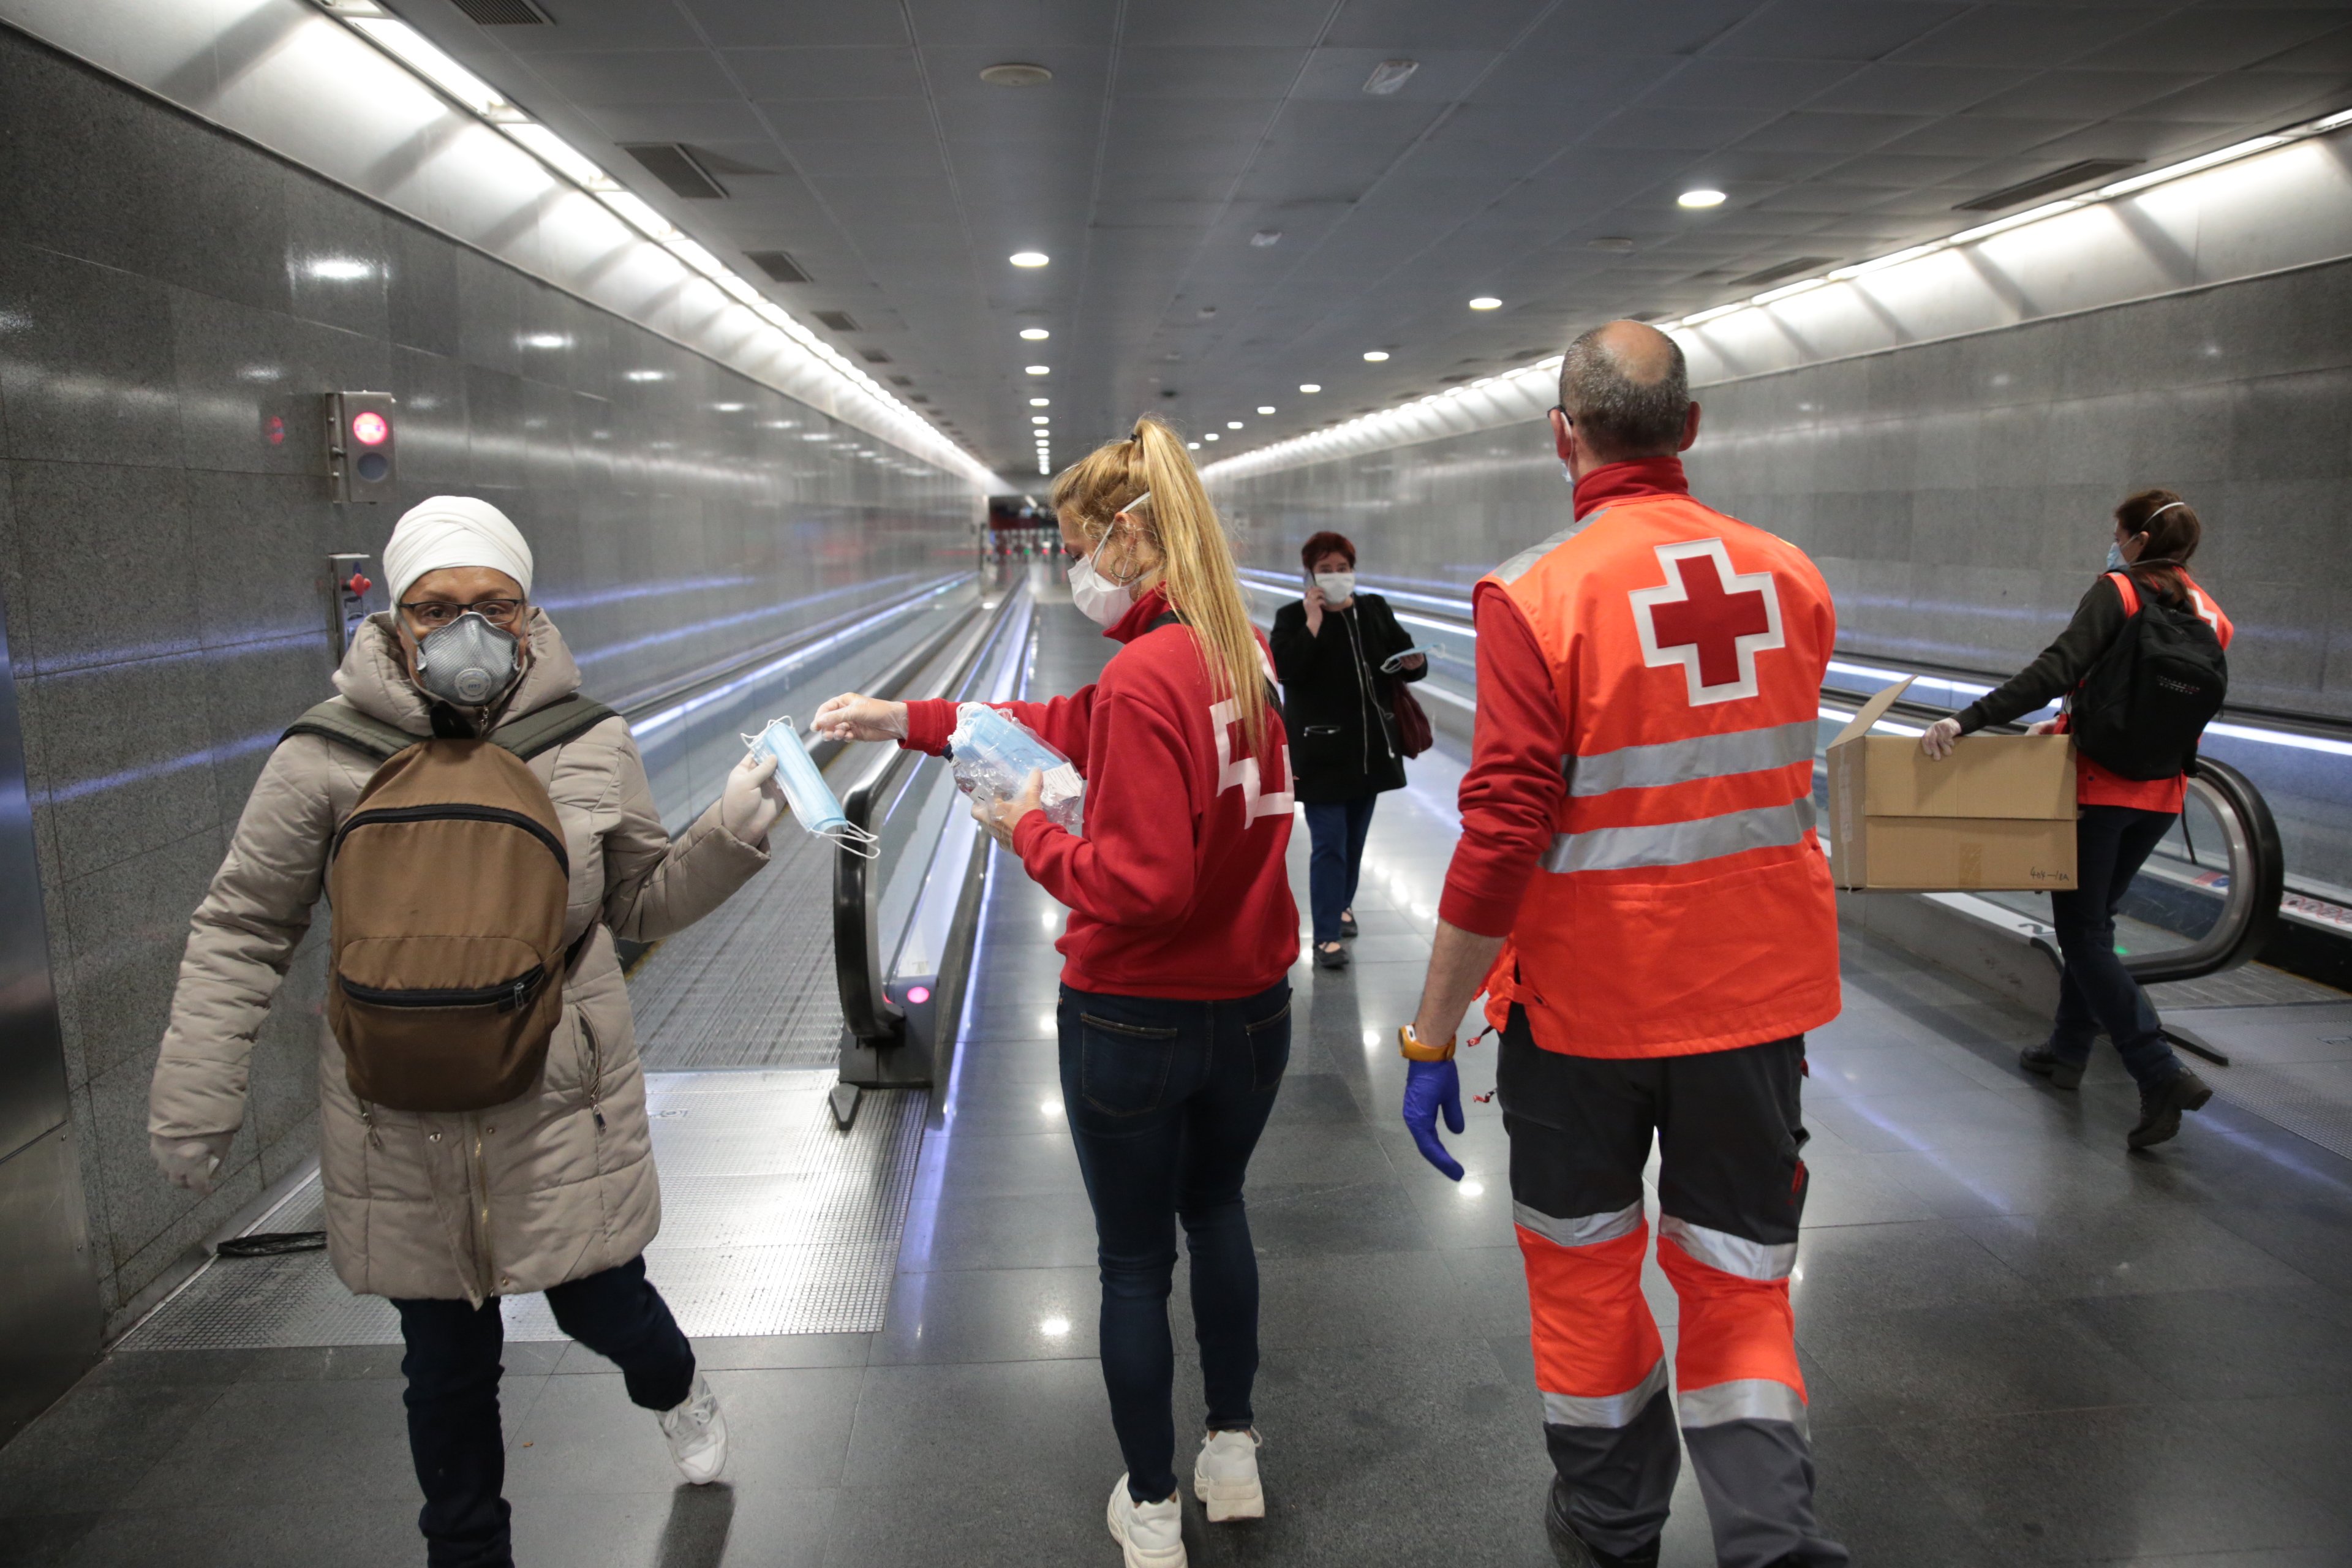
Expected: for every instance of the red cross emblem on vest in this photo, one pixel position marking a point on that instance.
(1708, 619)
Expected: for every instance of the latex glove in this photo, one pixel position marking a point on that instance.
(850, 717)
(191, 1162)
(751, 801)
(1000, 818)
(1429, 1088)
(1941, 737)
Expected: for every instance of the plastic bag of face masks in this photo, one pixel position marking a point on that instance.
(993, 753)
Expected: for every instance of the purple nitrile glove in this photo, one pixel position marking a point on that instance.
(1429, 1088)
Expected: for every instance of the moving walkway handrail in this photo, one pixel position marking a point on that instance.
(866, 1005)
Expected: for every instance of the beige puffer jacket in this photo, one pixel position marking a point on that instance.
(556, 1185)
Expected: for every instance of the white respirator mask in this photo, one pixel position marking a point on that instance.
(1336, 585)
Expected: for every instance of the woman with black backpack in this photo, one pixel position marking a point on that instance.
(2142, 668)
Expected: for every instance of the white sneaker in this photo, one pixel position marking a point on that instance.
(1224, 1478)
(1150, 1534)
(698, 1435)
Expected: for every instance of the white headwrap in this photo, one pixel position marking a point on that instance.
(454, 530)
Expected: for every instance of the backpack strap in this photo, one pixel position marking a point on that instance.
(2127, 591)
(340, 722)
(545, 729)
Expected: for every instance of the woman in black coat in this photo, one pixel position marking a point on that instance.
(1329, 648)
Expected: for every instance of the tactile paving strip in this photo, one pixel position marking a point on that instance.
(774, 1222)
(751, 984)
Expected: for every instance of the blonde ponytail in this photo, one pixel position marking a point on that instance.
(1196, 564)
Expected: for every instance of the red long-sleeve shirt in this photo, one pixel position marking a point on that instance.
(1511, 795)
(1179, 888)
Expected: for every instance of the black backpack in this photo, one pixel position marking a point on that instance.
(2139, 711)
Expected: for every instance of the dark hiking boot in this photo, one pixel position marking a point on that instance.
(2161, 1108)
(1572, 1549)
(2046, 1063)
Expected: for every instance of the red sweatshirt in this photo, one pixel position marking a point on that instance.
(1179, 888)
(1510, 798)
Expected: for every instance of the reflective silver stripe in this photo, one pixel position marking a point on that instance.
(1702, 757)
(1732, 1254)
(1519, 565)
(1681, 843)
(1604, 1409)
(1585, 1230)
(1743, 1399)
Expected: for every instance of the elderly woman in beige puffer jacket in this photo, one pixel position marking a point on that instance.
(554, 1191)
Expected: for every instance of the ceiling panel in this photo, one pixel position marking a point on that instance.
(1174, 131)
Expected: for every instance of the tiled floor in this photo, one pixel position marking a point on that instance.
(2024, 1345)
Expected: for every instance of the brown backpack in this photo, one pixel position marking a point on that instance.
(448, 884)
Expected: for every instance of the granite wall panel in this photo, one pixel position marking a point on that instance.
(172, 304)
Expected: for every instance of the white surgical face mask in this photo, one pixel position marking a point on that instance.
(1098, 598)
(1336, 585)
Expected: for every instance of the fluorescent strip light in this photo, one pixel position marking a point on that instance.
(638, 215)
(1701, 317)
(2030, 214)
(695, 256)
(1772, 296)
(559, 155)
(734, 284)
(425, 57)
(2335, 122)
(2175, 171)
(2294, 740)
(1895, 258)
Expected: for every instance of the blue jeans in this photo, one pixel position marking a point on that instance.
(2095, 992)
(1166, 1101)
(1336, 830)
(453, 1366)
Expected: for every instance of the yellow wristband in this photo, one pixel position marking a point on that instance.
(1416, 1051)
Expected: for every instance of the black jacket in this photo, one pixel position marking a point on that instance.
(2098, 620)
(1335, 701)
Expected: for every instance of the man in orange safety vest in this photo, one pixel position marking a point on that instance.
(1639, 891)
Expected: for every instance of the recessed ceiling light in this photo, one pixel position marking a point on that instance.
(1038, 369)
(1192, 446)
(1699, 198)
(1034, 334)
(1374, 356)
(1267, 236)
(1039, 258)
(1389, 76)
(1233, 424)
(1041, 419)
(1041, 403)
(1310, 387)
(1015, 73)
(1266, 408)
(1485, 302)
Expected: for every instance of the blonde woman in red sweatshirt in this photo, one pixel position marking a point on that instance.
(1175, 1007)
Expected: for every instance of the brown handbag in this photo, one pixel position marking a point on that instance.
(1413, 733)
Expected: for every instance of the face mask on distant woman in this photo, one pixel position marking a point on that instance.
(2115, 562)
(1337, 586)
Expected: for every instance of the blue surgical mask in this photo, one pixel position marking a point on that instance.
(814, 804)
(2115, 562)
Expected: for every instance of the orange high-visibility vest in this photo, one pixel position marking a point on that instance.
(1685, 905)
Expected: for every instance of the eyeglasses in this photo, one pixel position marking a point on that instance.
(435, 613)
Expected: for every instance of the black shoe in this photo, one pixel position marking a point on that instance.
(1570, 1548)
(2041, 1059)
(1348, 932)
(2161, 1108)
(1330, 957)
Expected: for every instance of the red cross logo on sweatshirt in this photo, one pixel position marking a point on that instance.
(1707, 618)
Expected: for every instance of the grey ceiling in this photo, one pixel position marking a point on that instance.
(858, 136)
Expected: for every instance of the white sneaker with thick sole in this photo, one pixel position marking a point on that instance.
(698, 1435)
(1224, 1478)
(1150, 1534)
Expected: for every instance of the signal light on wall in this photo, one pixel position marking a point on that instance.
(360, 442)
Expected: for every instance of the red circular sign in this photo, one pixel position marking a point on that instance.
(371, 429)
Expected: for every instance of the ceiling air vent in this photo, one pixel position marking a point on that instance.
(778, 266)
(873, 356)
(902, 381)
(503, 13)
(1779, 270)
(674, 165)
(2049, 184)
(839, 320)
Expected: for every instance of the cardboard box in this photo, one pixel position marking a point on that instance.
(1999, 813)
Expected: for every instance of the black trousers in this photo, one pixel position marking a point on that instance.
(453, 1367)
(2096, 993)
